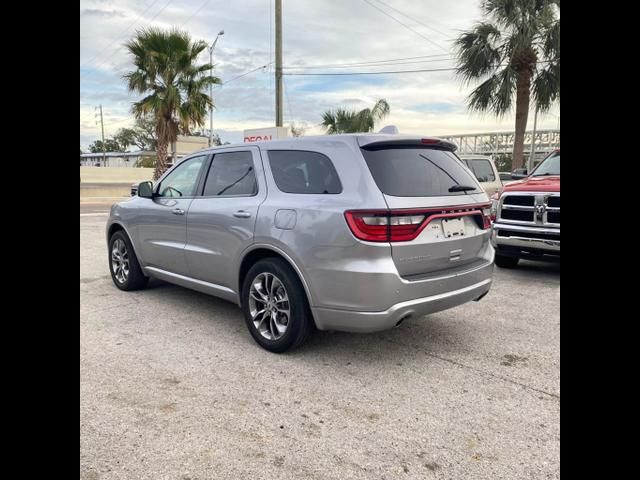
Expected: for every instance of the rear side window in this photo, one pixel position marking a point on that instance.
(418, 172)
(482, 170)
(231, 174)
(297, 171)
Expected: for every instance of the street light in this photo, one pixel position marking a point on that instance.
(213, 45)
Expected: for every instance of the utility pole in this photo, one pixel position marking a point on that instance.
(104, 164)
(213, 45)
(279, 103)
(533, 141)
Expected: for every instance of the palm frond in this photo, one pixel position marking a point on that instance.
(478, 51)
(166, 70)
(546, 87)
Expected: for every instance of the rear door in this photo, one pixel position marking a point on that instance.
(221, 221)
(438, 195)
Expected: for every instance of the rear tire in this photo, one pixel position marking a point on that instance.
(123, 264)
(275, 306)
(506, 262)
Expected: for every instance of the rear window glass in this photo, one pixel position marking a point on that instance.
(418, 172)
(296, 171)
(231, 173)
(483, 170)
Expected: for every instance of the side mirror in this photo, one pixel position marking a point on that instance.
(519, 173)
(145, 189)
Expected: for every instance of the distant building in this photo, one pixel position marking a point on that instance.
(113, 159)
(184, 146)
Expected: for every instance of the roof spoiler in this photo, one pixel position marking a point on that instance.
(371, 143)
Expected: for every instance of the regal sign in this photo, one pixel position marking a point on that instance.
(265, 134)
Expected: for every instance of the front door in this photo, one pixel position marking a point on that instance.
(162, 220)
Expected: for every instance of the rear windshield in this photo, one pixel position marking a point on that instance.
(418, 172)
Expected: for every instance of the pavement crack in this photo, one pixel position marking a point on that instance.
(500, 377)
(493, 375)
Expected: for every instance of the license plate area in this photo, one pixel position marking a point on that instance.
(453, 227)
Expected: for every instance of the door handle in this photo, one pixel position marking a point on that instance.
(178, 211)
(242, 214)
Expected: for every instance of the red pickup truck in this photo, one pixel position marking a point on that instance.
(526, 216)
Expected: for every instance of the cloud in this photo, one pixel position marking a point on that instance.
(315, 34)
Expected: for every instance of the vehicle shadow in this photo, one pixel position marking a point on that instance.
(542, 267)
(433, 334)
(530, 270)
(437, 334)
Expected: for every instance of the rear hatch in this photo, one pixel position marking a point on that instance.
(438, 213)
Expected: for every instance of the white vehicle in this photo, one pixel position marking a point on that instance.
(485, 171)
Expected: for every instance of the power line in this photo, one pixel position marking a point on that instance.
(371, 64)
(151, 20)
(246, 73)
(194, 13)
(387, 60)
(412, 18)
(377, 73)
(405, 25)
(122, 33)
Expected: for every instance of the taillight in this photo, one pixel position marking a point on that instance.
(487, 217)
(402, 225)
(493, 211)
(370, 226)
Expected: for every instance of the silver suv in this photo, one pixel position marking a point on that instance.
(341, 232)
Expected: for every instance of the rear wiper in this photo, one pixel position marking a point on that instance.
(461, 188)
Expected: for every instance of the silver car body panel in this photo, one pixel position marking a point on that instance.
(351, 285)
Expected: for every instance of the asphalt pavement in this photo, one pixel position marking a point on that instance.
(172, 386)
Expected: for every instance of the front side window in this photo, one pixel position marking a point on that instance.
(231, 174)
(297, 171)
(183, 180)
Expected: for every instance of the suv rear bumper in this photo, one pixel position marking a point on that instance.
(412, 298)
(507, 235)
(366, 322)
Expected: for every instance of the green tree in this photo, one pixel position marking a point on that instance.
(297, 130)
(352, 121)
(141, 136)
(167, 73)
(513, 52)
(110, 145)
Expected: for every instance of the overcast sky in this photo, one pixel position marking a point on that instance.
(316, 33)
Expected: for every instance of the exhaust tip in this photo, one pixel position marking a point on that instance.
(403, 319)
(480, 297)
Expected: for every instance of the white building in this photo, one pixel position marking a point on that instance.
(113, 159)
(184, 146)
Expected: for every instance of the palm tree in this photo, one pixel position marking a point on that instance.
(515, 52)
(351, 121)
(166, 71)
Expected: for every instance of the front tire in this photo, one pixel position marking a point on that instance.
(275, 306)
(123, 263)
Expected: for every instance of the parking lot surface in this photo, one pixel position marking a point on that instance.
(172, 386)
